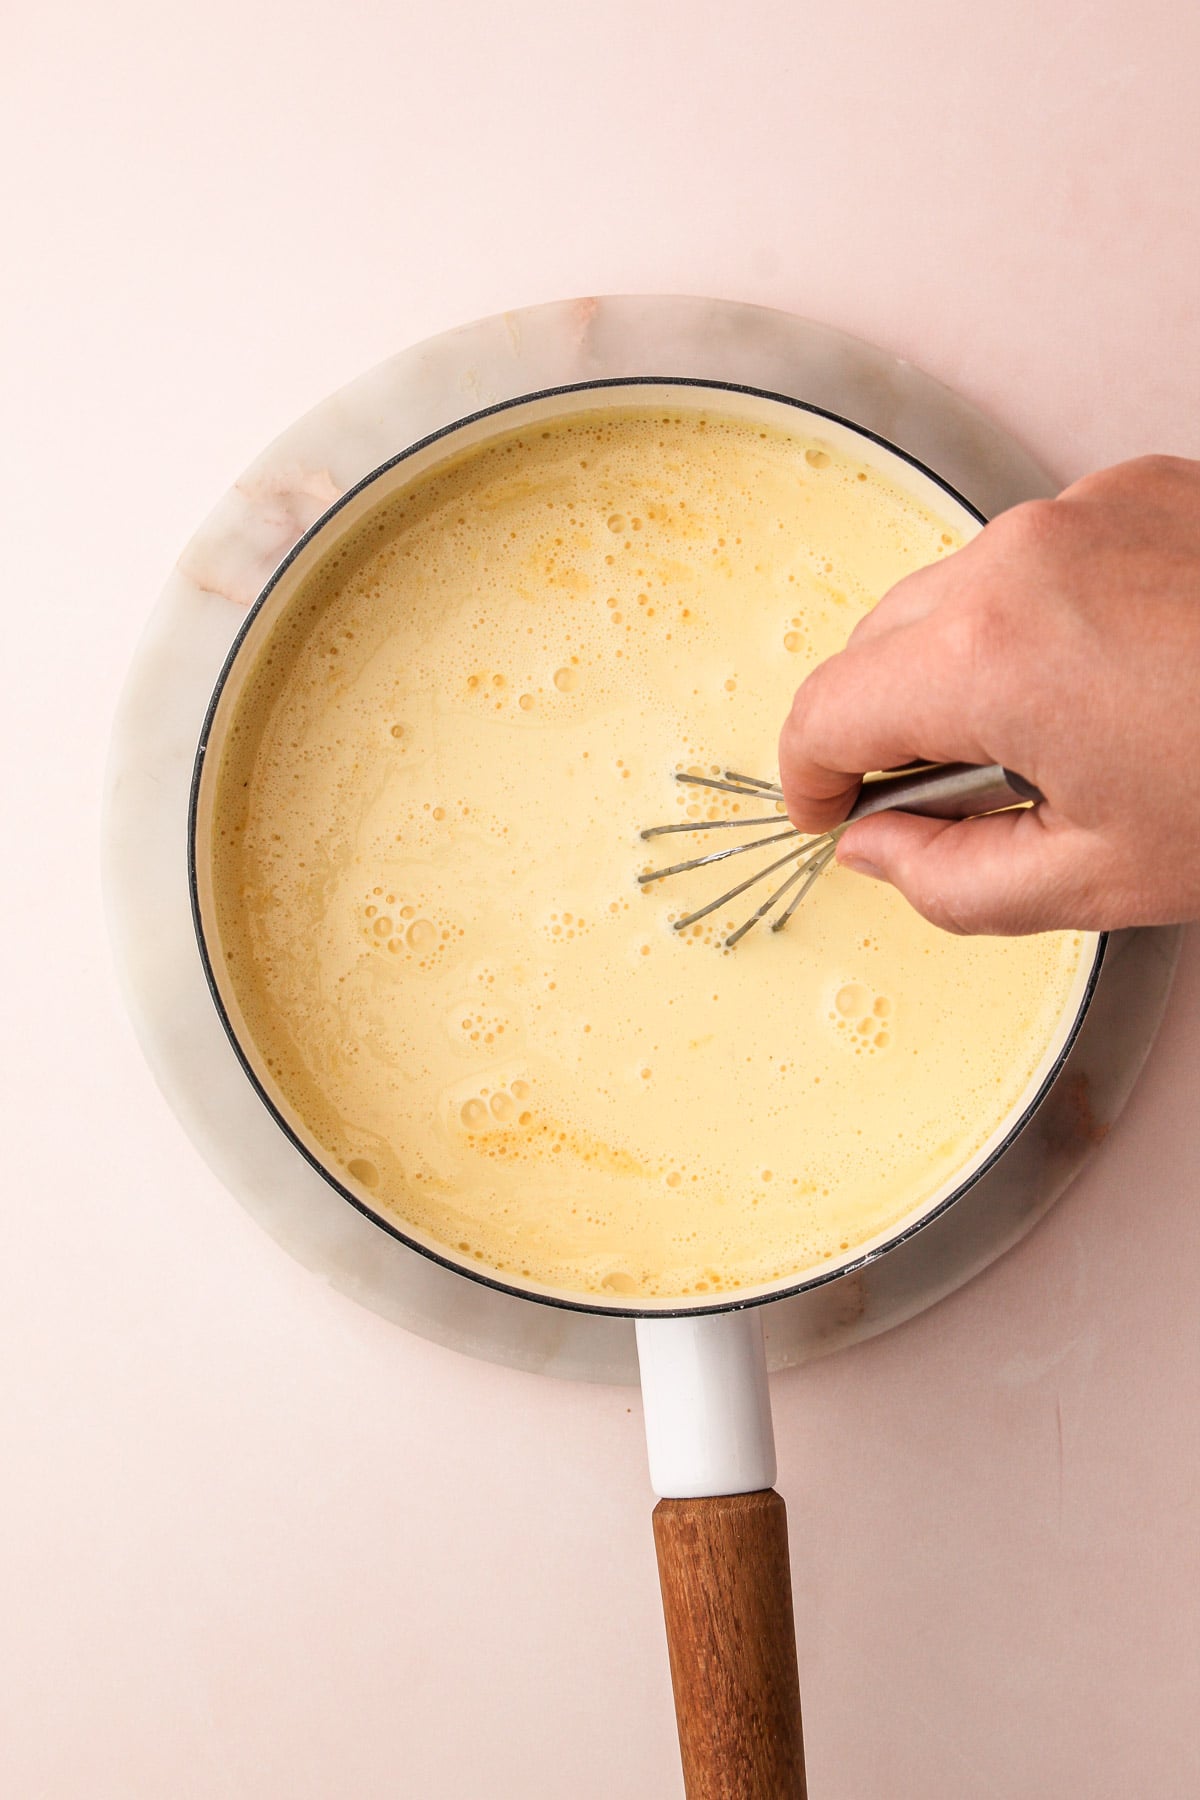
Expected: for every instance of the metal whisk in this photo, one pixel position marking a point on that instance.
(940, 791)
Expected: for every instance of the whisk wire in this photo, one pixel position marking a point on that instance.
(810, 857)
(811, 872)
(766, 787)
(735, 937)
(738, 785)
(721, 899)
(709, 825)
(714, 856)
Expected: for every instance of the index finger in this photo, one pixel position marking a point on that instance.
(900, 696)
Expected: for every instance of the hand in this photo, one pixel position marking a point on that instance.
(1063, 642)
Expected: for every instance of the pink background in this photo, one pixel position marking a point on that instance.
(256, 1543)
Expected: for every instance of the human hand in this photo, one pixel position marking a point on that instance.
(1063, 642)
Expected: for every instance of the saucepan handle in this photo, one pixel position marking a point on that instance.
(720, 1531)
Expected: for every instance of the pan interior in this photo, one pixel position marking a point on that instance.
(417, 840)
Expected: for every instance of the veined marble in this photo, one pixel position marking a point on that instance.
(218, 577)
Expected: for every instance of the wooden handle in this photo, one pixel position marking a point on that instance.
(727, 1600)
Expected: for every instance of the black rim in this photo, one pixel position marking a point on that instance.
(735, 1304)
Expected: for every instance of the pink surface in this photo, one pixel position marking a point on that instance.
(256, 1542)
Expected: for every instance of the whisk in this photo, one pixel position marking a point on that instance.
(939, 791)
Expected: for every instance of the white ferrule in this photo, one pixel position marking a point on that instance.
(707, 1404)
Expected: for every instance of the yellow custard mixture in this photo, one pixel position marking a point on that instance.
(427, 846)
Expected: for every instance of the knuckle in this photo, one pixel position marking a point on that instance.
(923, 874)
(948, 912)
(980, 637)
(958, 631)
(1157, 466)
(1031, 529)
(975, 914)
(1127, 482)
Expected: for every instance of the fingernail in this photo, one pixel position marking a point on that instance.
(860, 866)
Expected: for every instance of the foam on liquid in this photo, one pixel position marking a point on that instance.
(427, 841)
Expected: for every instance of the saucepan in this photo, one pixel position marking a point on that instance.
(720, 1528)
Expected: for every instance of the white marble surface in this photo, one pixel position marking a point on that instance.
(220, 573)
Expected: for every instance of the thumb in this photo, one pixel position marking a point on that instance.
(1006, 875)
